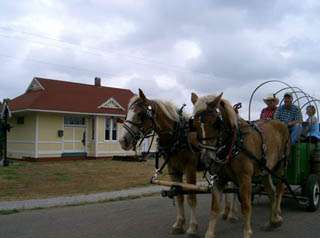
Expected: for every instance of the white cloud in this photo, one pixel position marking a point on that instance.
(187, 49)
(165, 82)
(168, 48)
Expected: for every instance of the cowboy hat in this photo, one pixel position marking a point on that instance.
(288, 94)
(271, 97)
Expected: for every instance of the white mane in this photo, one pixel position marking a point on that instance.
(225, 108)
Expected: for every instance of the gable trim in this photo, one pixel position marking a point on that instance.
(35, 80)
(111, 100)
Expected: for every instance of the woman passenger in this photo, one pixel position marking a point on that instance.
(311, 125)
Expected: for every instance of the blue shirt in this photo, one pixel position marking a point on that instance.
(313, 127)
(287, 115)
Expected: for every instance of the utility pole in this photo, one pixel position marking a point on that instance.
(5, 128)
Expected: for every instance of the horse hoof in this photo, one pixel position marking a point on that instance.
(277, 224)
(233, 219)
(192, 236)
(271, 226)
(192, 230)
(177, 231)
(209, 235)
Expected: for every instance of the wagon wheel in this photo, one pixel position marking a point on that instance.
(312, 192)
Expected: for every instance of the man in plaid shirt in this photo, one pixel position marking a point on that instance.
(291, 115)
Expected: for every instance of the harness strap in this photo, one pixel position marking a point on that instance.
(233, 142)
(131, 132)
(271, 172)
(178, 141)
(263, 145)
(208, 147)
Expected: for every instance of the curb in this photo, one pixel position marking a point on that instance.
(80, 199)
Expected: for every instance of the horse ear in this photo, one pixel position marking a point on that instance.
(142, 96)
(194, 98)
(215, 103)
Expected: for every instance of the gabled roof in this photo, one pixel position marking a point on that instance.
(62, 96)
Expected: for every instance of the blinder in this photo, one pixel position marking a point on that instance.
(149, 112)
(192, 127)
(202, 116)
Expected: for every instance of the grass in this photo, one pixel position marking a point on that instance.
(8, 212)
(25, 180)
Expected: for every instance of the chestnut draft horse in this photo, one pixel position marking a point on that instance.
(238, 151)
(144, 116)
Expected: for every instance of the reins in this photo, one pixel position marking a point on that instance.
(174, 143)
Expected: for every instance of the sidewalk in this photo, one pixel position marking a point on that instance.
(80, 199)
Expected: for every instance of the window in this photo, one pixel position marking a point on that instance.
(111, 129)
(74, 121)
(108, 127)
(20, 120)
(114, 129)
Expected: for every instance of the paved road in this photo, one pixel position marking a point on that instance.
(144, 218)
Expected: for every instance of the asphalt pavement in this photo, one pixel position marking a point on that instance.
(144, 218)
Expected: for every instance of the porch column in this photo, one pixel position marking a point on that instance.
(96, 135)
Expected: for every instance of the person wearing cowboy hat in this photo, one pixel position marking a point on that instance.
(271, 101)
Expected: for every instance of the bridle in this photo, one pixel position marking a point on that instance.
(223, 147)
(139, 133)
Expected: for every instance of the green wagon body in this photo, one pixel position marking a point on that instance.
(299, 166)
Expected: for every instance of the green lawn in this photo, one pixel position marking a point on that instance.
(25, 180)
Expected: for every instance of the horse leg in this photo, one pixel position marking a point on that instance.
(234, 211)
(246, 207)
(274, 220)
(227, 206)
(279, 193)
(192, 201)
(214, 214)
(230, 205)
(179, 225)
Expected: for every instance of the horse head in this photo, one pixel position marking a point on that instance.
(213, 117)
(139, 121)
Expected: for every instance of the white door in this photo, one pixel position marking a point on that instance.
(75, 135)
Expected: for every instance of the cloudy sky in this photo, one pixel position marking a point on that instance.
(168, 48)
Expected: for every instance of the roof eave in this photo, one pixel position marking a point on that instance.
(69, 112)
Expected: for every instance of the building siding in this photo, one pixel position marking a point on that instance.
(21, 138)
(106, 148)
(42, 127)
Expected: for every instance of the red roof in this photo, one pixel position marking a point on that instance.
(65, 96)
